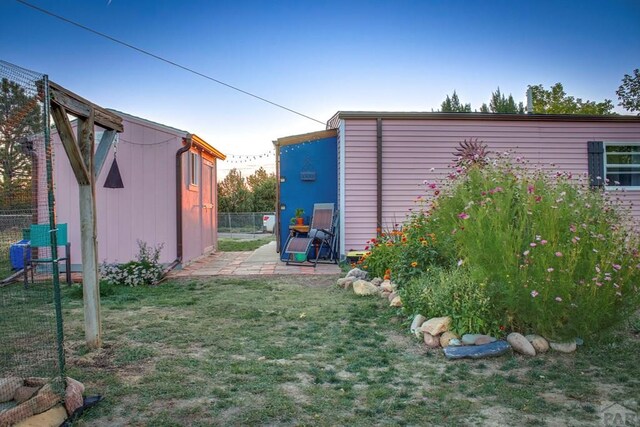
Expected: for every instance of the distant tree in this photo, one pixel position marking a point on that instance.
(629, 92)
(233, 194)
(20, 117)
(263, 186)
(501, 104)
(556, 101)
(453, 105)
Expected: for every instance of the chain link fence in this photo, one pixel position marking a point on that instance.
(31, 336)
(230, 223)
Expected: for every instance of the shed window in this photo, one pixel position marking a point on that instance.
(622, 165)
(194, 168)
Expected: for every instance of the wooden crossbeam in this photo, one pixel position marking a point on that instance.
(70, 145)
(80, 107)
(103, 149)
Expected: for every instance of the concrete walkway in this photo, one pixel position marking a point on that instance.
(264, 260)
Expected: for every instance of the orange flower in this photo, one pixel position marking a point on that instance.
(414, 264)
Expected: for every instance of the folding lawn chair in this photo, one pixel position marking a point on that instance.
(40, 237)
(321, 234)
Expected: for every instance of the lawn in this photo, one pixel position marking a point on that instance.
(299, 351)
(235, 245)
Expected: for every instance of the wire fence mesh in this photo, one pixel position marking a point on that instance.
(31, 338)
(246, 223)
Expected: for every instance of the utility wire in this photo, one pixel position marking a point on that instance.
(160, 58)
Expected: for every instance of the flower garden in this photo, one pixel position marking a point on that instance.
(500, 246)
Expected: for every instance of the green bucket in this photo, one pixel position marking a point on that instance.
(300, 257)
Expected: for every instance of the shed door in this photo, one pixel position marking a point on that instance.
(207, 207)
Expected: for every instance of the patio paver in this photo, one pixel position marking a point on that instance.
(262, 261)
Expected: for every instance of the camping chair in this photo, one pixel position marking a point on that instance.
(321, 234)
(40, 237)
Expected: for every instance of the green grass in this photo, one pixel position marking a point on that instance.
(235, 245)
(289, 351)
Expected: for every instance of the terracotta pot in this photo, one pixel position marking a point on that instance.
(299, 221)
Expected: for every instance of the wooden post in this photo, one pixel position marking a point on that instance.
(81, 153)
(89, 242)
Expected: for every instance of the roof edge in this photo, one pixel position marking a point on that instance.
(311, 136)
(399, 115)
(208, 147)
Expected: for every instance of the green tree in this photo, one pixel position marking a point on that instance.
(233, 194)
(556, 101)
(502, 104)
(453, 105)
(263, 186)
(20, 118)
(629, 92)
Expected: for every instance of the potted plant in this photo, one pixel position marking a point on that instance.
(298, 217)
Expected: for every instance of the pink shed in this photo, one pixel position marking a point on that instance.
(384, 158)
(168, 197)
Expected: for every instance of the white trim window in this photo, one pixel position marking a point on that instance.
(622, 165)
(194, 169)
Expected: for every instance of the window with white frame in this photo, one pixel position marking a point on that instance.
(194, 168)
(622, 164)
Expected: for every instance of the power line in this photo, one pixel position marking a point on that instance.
(160, 58)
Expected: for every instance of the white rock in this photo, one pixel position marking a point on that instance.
(8, 387)
(362, 287)
(520, 344)
(417, 322)
(396, 302)
(388, 286)
(376, 281)
(431, 341)
(540, 344)
(447, 337)
(563, 347)
(357, 273)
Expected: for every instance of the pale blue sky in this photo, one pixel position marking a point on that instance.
(318, 57)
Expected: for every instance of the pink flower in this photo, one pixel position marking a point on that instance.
(572, 228)
(616, 267)
(543, 242)
(463, 215)
(534, 293)
(532, 244)
(550, 269)
(530, 189)
(558, 299)
(558, 254)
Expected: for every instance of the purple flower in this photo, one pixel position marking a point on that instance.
(534, 293)
(543, 242)
(558, 254)
(532, 244)
(463, 215)
(616, 267)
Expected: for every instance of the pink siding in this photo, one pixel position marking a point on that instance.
(412, 147)
(144, 209)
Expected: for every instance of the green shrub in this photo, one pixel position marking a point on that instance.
(453, 293)
(146, 270)
(556, 256)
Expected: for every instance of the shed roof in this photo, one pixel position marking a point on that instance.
(311, 136)
(417, 115)
(175, 131)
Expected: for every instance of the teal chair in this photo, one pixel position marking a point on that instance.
(40, 237)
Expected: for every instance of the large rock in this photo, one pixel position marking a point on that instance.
(357, 273)
(392, 295)
(388, 286)
(496, 348)
(564, 347)
(396, 302)
(8, 387)
(436, 325)
(376, 281)
(417, 322)
(540, 344)
(13, 416)
(431, 341)
(345, 282)
(73, 395)
(521, 344)
(446, 337)
(362, 287)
